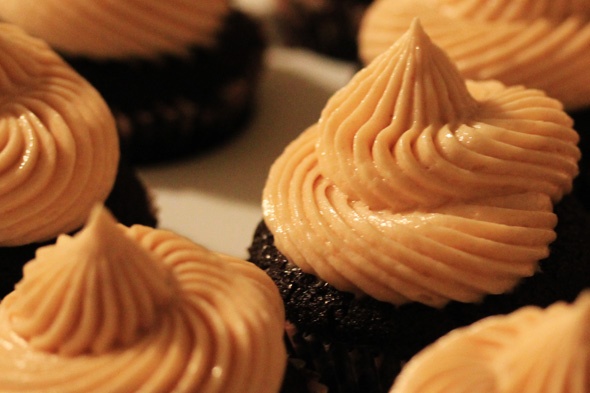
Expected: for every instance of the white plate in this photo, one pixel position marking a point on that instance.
(215, 199)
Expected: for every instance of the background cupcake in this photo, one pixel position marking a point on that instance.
(407, 211)
(520, 352)
(539, 44)
(59, 154)
(124, 309)
(328, 27)
(179, 76)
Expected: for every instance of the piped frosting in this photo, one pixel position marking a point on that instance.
(89, 294)
(529, 351)
(137, 309)
(415, 186)
(120, 29)
(59, 148)
(539, 44)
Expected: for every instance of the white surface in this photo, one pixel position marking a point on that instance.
(256, 7)
(215, 199)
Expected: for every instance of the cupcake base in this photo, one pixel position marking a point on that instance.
(328, 27)
(176, 107)
(299, 378)
(347, 368)
(340, 326)
(129, 201)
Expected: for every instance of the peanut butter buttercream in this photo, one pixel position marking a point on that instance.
(119, 29)
(415, 186)
(540, 44)
(532, 350)
(118, 309)
(59, 148)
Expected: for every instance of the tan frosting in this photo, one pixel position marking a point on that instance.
(407, 193)
(59, 148)
(541, 44)
(116, 309)
(119, 29)
(529, 351)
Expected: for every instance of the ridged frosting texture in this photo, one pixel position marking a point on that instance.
(532, 350)
(117, 309)
(120, 29)
(59, 148)
(414, 186)
(538, 43)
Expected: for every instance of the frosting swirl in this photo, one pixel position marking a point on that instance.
(529, 351)
(59, 148)
(540, 44)
(120, 29)
(137, 309)
(408, 193)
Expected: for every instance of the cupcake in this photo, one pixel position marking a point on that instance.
(180, 76)
(129, 309)
(59, 154)
(329, 27)
(419, 203)
(540, 44)
(532, 350)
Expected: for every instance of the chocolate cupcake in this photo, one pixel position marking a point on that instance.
(416, 204)
(539, 44)
(59, 154)
(180, 77)
(329, 27)
(128, 309)
(532, 350)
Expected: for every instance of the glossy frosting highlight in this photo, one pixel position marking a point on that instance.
(408, 193)
(540, 44)
(122, 309)
(532, 350)
(120, 29)
(59, 148)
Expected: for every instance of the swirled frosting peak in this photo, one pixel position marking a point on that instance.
(119, 29)
(417, 186)
(117, 309)
(393, 96)
(529, 351)
(90, 293)
(59, 148)
(540, 44)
